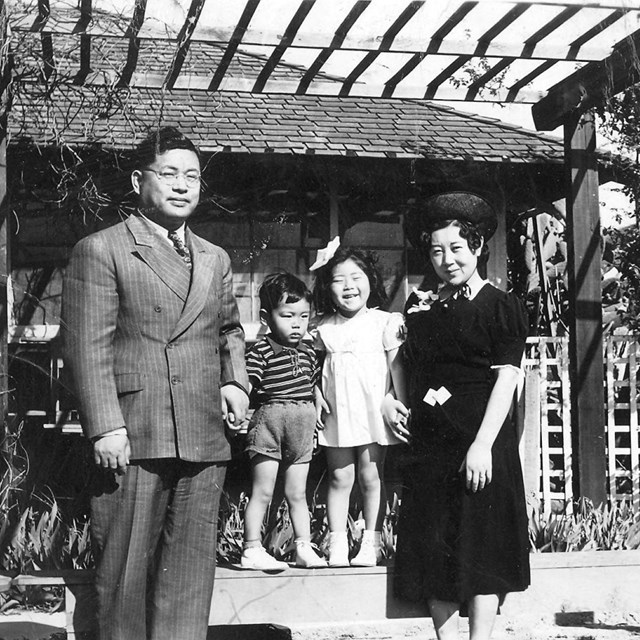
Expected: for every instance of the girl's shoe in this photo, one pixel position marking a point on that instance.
(257, 559)
(370, 550)
(338, 549)
(306, 557)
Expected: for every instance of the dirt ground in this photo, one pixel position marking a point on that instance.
(604, 628)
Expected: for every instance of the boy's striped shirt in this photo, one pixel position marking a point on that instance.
(282, 373)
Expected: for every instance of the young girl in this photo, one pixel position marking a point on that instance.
(360, 367)
(462, 535)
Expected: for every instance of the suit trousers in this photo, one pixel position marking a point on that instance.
(154, 535)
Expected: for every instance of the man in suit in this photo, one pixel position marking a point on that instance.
(155, 350)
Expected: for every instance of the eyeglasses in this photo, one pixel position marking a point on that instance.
(170, 178)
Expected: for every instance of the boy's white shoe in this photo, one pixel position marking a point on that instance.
(306, 557)
(338, 549)
(257, 559)
(370, 550)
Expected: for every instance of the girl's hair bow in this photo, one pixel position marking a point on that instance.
(324, 255)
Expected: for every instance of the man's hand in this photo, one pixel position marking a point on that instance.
(235, 403)
(112, 452)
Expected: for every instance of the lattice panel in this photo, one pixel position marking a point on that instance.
(623, 450)
(550, 356)
(547, 367)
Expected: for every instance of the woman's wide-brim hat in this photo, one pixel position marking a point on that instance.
(452, 205)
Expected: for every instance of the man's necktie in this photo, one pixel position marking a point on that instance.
(181, 248)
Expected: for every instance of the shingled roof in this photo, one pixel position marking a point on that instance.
(281, 124)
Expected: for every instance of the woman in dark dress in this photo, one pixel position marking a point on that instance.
(462, 535)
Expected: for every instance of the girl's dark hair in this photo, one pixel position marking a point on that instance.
(278, 288)
(468, 231)
(367, 261)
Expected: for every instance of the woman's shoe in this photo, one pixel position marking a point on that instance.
(306, 557)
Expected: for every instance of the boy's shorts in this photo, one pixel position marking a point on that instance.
(283, 430)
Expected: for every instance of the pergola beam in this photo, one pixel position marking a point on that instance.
(590, 85)
(437, 38)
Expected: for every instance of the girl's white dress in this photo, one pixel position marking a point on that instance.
(356, 377)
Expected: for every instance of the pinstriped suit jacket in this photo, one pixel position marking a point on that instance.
(148, 349)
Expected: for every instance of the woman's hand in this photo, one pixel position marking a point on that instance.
(477, 466)
(395, 416)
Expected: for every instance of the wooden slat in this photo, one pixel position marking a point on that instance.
(358, 70)
(134, 42)
(443, 76)
(341, 33)
(289, 35)
(440, 34)
(85, 60)
(579, 42)
(634, 429)
(532, 41)
(544, 430)
(236, 38)
(487, 38)
(611, 418)
(184, 41)
(391, 84)
(48, 60)
(42, 18)
(400, 22)
(517, 87)
(5, 82)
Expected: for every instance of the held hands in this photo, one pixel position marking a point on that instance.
(235, 403)
(477, 466)
(112, 452)
(395, 416)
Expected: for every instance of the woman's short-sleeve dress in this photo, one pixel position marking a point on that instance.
(355, 376)
(453, 543)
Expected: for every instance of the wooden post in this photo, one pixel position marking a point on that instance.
(586, 369)
(5, 72)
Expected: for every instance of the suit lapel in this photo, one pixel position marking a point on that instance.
(160, 257)
(203, 269)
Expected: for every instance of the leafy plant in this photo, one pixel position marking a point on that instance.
(614, 526)
(278, 536)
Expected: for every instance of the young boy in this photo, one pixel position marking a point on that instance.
(283, 372)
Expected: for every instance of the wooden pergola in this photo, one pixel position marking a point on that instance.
(561, 56)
